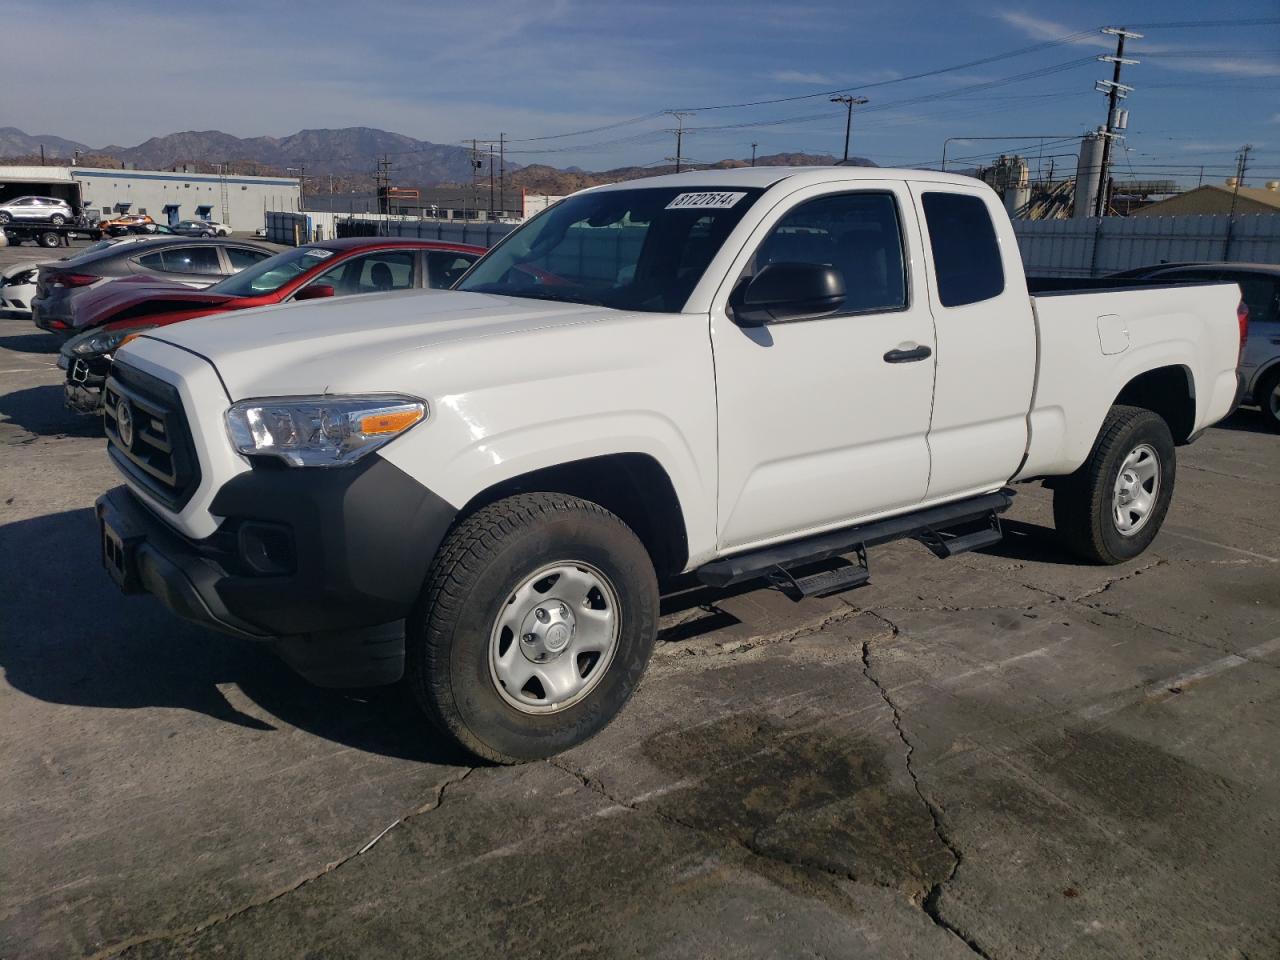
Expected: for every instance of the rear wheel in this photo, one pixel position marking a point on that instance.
(1267, 394)
(50, 239)
(5, 216)
(534, 629)
(1110, 509)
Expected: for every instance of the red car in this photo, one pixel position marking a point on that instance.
(333, 268)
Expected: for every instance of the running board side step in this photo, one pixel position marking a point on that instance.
(847, 576)
(930, 526)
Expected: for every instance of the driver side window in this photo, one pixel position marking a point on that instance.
(858, 234)
(372, 273)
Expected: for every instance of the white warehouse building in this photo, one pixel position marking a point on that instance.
(166, 196)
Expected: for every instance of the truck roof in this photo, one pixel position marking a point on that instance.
(802, 176)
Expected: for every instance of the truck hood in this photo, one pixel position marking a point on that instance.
(327, 345)
(132, 297)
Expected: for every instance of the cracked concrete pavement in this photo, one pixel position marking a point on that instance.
(1003, 755)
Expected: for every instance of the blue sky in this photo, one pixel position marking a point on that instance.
(449, 71)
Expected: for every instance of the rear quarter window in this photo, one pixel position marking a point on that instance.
(966, 256)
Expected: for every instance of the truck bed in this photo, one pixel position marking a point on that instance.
(1117, 330)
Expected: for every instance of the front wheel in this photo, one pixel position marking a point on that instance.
(1110, 509)
(57, 219)
(50, 239)
(5, 217)
(534, 628)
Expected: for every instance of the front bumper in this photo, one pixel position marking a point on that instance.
(324, 564)
(82, 391)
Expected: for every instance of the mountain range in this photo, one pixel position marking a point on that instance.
(343, 160)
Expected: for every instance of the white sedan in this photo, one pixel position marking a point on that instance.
(219, 229)
(18, 286)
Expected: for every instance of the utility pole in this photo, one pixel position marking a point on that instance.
(1115, 91)
(382, 184)
(42, 154)
(1242, 165)
(679, 132)
(489, 147)
(849, 103)
(753, 153)
(476, 165)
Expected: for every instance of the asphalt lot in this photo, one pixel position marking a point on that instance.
(1004, 754)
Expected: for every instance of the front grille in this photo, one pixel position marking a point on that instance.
(160, 456)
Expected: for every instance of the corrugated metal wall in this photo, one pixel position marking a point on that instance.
(1095, 248)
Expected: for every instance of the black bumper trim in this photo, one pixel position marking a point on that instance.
(362, 538)
(163, 563)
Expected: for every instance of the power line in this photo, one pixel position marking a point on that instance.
(1179, 24)
(1021, 51)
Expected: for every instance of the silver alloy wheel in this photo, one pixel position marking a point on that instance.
(1273, 401)
(1136, 490)
(553, 641)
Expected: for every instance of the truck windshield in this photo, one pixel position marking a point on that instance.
(642, 249)
(268, 276)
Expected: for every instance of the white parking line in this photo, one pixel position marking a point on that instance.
(1222, 546)
(1093, 711)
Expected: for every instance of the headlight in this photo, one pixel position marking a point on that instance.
(104, 342)
(325, 431)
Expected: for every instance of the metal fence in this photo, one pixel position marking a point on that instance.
(1096, 247)
(296, 228)
(1050, 248)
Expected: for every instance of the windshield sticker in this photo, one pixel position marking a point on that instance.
(705, 201)
(319, 254)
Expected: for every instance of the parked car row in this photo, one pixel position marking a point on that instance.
(108, 297)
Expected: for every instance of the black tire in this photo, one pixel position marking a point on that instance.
(50, 239)
(57, 219)
(5, 216)
(206, 234)
(1083, 502)
(477, 570)
(1265, 394)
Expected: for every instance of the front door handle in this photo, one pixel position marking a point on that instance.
(908, 356)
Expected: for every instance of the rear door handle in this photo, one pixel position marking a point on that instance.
(908, 356)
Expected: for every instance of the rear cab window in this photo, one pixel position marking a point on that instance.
(966, 254)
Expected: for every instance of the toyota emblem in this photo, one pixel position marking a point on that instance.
(124, 422)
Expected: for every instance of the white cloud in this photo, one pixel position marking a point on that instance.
(1038, 28)
(800, 76)
(1225, 68)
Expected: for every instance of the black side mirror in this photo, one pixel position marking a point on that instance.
(783, 292)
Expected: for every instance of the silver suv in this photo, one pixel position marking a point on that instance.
(44, 209)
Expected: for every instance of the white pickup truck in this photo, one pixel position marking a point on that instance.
(728, 375)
